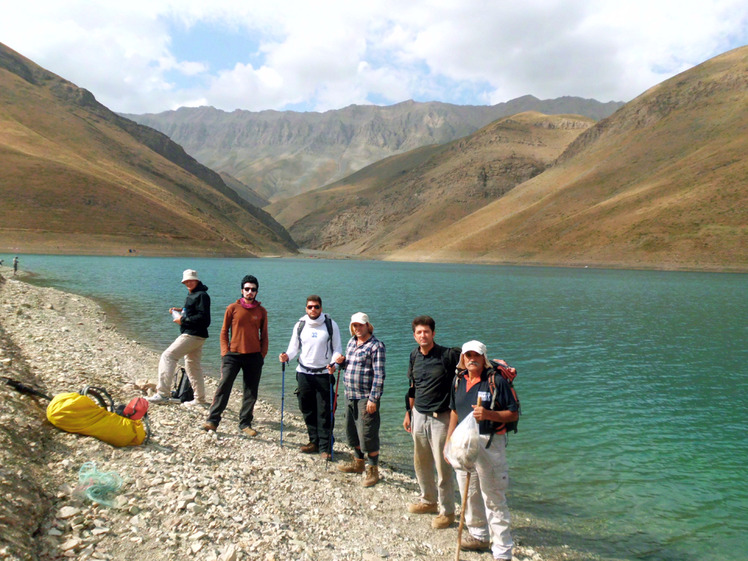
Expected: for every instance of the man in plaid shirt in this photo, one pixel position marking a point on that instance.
(364, 381)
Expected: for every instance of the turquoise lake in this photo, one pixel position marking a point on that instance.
(634, 384)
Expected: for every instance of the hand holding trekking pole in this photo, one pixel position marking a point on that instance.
(283, 395)
(464, 506)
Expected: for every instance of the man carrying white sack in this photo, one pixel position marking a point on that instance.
(486, 515)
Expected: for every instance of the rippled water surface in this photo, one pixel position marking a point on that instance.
(634, 385)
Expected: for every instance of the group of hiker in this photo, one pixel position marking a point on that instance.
(446, 387)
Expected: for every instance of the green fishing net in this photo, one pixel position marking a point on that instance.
(99, 486)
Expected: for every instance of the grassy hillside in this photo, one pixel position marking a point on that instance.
(661, 183)
(403, 198)
(78, 178)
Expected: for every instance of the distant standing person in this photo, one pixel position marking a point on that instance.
(486, 497)
(244, 345)
(431, 371)
(316, 340)
(193, 320)
(364, 382)
(15, 265)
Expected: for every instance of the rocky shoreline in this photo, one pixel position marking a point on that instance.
(187, 493)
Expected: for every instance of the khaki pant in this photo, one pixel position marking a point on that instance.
(429, 435)
(191, 348)
(486, 504)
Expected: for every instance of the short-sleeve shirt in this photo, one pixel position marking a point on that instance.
(432, 375)
(463, 398)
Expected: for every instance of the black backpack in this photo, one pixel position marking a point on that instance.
(328, 325)
(182, 387)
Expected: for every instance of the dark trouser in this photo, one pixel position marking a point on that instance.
(315, 406)
(362, 428)
(251, 366)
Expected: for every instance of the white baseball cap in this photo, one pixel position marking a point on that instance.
(476, 347)
(360, 317)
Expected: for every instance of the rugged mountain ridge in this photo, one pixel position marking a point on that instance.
(281, 154)
(78, 177)
(661, 183)
(396, 201)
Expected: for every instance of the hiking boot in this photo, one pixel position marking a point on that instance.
(354, 466)
(423, 508)
(470, 543)
(207, 426)
(310, 448)
(249, 431)
(442, 521)
(371, 477)
(194, 403)
(158, 398)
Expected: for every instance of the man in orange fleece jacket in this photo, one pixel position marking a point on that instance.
(244, 344)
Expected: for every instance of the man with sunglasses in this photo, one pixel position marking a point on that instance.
(244, 344)
(316, 341)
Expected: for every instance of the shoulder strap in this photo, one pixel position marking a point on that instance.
(299, 329)
(447, 359)
(100, 396)
(328, 324)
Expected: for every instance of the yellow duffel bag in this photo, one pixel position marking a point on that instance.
(73, 412)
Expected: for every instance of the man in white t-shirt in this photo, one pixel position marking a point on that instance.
(316, 342)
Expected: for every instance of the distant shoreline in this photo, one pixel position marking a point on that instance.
(323, 254)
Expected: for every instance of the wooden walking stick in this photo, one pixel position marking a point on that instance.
(462, 509)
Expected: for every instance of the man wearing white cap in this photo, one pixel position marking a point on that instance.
(364, 380)
(486, 497)
(193, 320)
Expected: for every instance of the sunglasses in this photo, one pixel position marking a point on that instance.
(313, 307)
(249, 288)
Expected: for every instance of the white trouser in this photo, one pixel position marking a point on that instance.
(191, 348)
(486, 504)
(429, 435)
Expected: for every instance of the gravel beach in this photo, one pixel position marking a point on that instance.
(186, 494)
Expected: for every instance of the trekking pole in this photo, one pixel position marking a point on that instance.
(283, 395)
(462, 509)
(332, 416)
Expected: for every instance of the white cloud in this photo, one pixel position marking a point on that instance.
(331, 53)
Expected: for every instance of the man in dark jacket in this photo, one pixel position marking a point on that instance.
(431, 371)
(193, 321)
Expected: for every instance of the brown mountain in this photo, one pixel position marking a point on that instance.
(398, 200)
(661, 183)
(280, 154)
(76, 177)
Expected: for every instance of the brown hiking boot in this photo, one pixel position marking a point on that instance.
(209, 426)
(442, 521)
(423, 508)
(469, 543)
(249, 431)
(371, 477)
(354, 466)
(310, 448)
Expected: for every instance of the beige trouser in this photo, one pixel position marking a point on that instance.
(486, 504)
(191, 348)
(429, 436)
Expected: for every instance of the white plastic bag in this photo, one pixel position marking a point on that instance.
(462, 448)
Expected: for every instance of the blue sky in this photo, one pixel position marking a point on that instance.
(155, 55)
